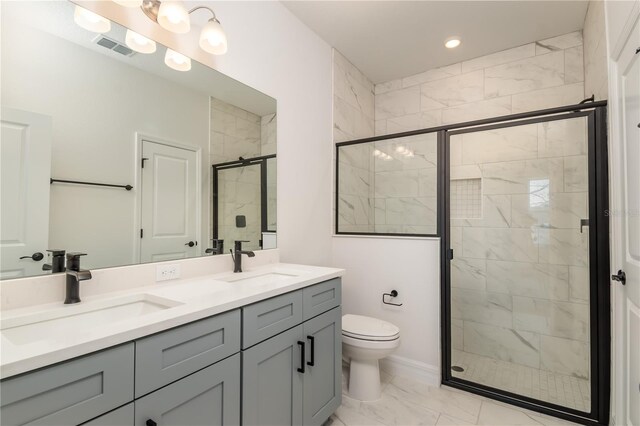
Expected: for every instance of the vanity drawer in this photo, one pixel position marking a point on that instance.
(72, 392)
(270, 317)
(320, 298)
(169, 356)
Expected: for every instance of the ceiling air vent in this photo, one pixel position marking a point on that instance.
(113, 45)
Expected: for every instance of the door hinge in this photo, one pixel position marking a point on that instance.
(141, 233)
(450, 254)
(142, 161)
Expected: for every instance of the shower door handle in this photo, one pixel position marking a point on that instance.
(583, 223)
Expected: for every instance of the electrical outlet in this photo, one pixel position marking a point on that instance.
(167, 272)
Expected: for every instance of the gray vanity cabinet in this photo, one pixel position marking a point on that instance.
(295, 377)
(71, 392)
(322, 391)
(271, 382)
(208, 397)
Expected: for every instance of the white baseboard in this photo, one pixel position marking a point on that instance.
(400, 366)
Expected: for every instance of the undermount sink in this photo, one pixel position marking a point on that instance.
(265, 278)
(83, 317)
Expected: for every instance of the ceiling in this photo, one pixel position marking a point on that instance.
(392, 39)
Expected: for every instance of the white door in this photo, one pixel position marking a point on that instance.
(169, 203)
(25, 141)
(628, 318)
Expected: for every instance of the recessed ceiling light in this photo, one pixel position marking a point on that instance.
(452, 42)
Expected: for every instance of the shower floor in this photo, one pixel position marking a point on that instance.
(555, 388)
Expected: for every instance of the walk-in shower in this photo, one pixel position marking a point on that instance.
(244, 202)
(521, 211)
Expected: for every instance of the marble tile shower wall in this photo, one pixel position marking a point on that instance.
(538, 75)
(520, 272)
(353, 116)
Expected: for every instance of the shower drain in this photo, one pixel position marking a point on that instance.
(457, 369)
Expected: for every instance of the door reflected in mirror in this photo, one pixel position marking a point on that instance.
(108, 151)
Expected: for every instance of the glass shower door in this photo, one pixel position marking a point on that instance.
(520, 274)
(238, 205)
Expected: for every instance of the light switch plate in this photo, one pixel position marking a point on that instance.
(167, 272)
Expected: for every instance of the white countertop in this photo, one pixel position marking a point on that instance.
(191, 300)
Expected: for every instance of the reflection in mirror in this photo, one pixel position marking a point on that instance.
(129, 143)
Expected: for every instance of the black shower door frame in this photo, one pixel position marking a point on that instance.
(261, 161)
(600, 321)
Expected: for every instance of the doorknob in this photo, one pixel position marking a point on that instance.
(191, 244)
(621, 277)
(37, 256)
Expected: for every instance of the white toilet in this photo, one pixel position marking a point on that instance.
(366, 340)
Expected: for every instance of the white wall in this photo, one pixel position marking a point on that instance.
(97, 105)
(410, 266)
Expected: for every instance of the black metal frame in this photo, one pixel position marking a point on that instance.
(78, 182)
(598, 265)
(254, 161)
(439, 171)
(600, 332)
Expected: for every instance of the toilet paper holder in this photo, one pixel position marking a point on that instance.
(394, 293)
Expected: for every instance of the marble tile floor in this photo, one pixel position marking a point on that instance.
(565, 390)
(408, 402)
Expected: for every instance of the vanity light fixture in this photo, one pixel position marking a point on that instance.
(172, 16)
(91, 21)
(139, 43)
(177, 61)
(452, 42)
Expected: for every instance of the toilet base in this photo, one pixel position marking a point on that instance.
(364, 380)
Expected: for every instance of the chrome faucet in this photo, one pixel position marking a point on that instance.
(74, 276)
(237, 253)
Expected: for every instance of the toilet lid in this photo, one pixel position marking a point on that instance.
(367, 328)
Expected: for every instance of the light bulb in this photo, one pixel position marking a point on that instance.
(91, 21)
(173, 16)
(213, 38)
(139, 43)
(452, 42)
(129, 3)
(177, 61)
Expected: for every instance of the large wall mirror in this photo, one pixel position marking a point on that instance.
(128, 157)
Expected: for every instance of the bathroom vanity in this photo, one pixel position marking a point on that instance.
(260, 347)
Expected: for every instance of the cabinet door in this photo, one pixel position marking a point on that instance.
(322, 380)
(71, 392)
(208, 397)
(271, 382)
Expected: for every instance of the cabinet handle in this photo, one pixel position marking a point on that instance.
(312, 340)
(302, 357)
(151, 423)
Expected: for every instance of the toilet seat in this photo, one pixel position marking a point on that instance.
(366, 328)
